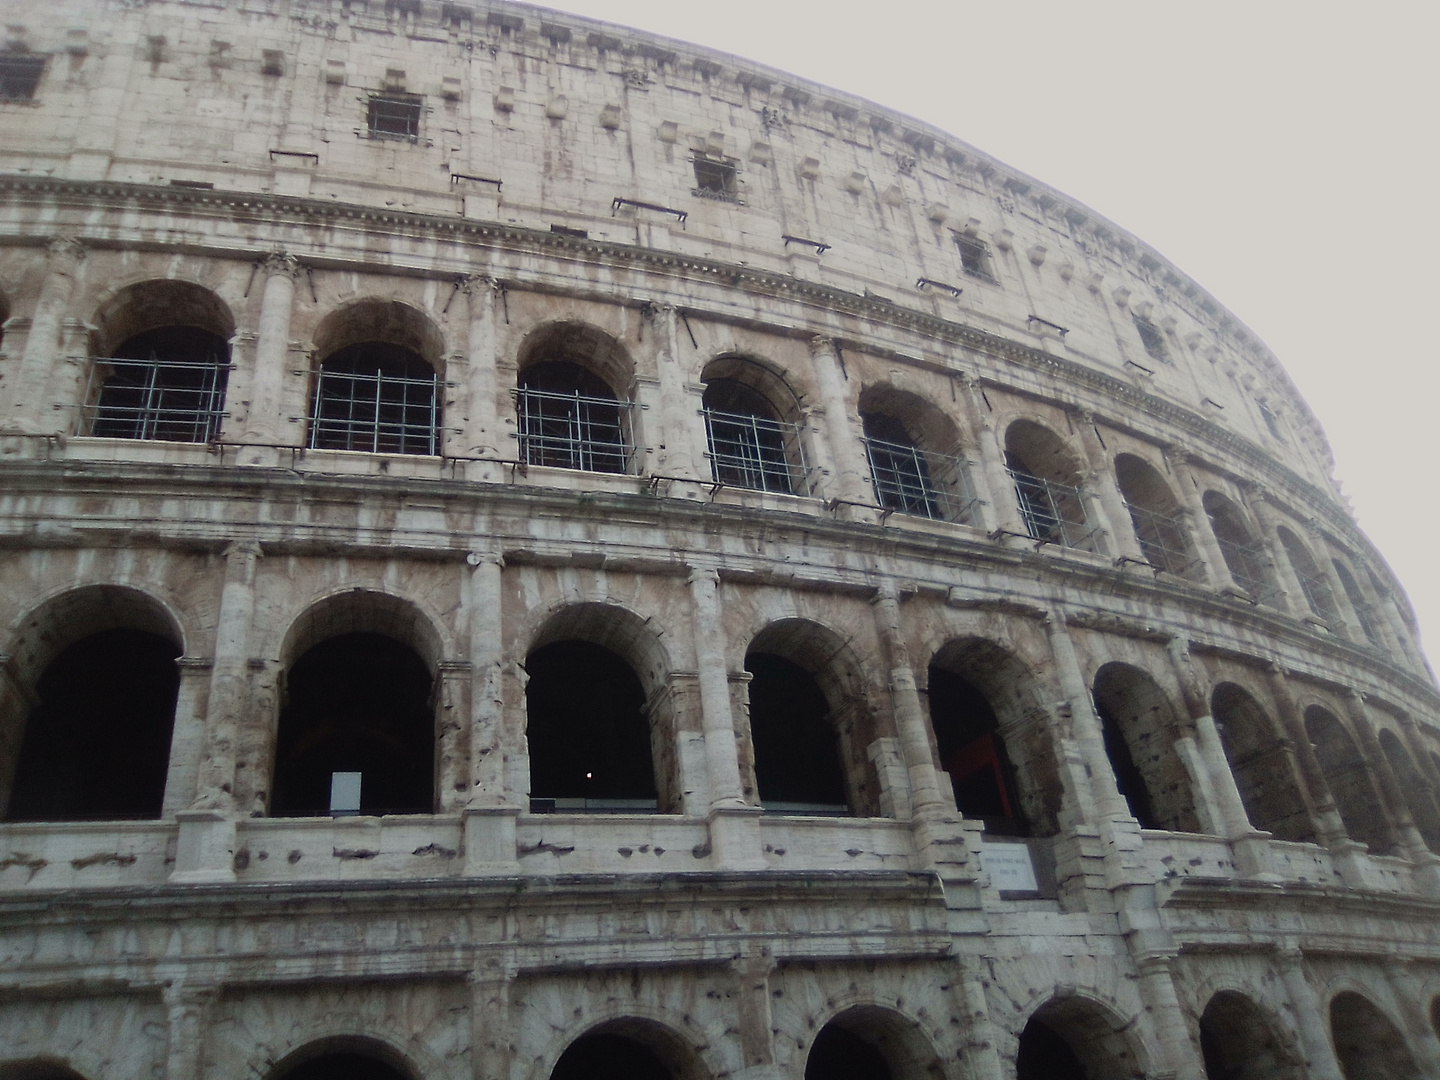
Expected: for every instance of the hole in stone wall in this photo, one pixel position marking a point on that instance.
(1263, 766)
(97, 743)
(1139, 728)
(1349, 780)
(797, 754)
(357, 702)
(967, 736)
(37, 1069)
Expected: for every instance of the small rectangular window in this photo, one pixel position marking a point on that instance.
(20, 76)
(715, 179)
(1152, 338)
(974, 257)
(395, 116)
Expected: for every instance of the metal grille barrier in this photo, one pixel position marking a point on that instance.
(755, 452)
(572, 431)
(380, 413)
(1162, 540)
(910, 481)
(1246, 563)
(171, 400)
(1053, 513)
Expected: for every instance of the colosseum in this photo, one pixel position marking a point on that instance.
(533, 551)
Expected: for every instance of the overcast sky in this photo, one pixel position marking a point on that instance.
(1282, 154)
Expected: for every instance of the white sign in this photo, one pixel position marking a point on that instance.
(1009, 867)
(344, 793)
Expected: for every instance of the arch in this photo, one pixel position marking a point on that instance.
(359, 697)
(1047, 485)
(1139, 725)
(1418, 795)
(869, 1042)
(1435, 1014)
(1312, 582)
(810, 725)
(87, 711)
(1349, 780)
(38, 1068)
(751, 427)
(630, 1048)
(1244, 555)
(571, 402)
(377, 385)
(161, 363)
(1238, 1041)
(1262, 763)
(1367, 1043)
(1358, 604)
(4, 316)
(344, 1057)
(1072, 1037)
(916, 463)
(600, 715)
(1159, 526)
(979, 691)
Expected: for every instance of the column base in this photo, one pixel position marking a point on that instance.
(489, 836)
(205, 851)
(735, 838)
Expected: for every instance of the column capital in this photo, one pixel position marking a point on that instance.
(70, 248)
(822, 345)
(246, 549)
(703, 573)
(478, 559)
(477, 284)
(281, 264)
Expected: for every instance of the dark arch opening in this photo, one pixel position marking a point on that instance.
(37, 1069)
(97, 742)
(1047, 486)
(167, 384)
(1139, 729)
(797, 753)
(1263, 765)
(1244, 555)
(356, 703)
(377, 397)
(589, 735)
(916, 466)
(1435, 1014)
(1364, 615)
(1367, 1045)
(343, 1066)
(749, 445)
(1159, 527)
(1045, 1055)
(1312, 582)
(967, 737)
(1349, 780)
(1237, 1042)
(1070, 1038)
(608, 1056)
(1417, 793)
(839, 1054)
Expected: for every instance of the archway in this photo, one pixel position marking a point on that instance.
(1262, 764)
(867, 1042)
(1159, 527)
(972, 752)
(1072, 1038)
(344, 1058)
(1047, 486)
(1414, 789)
(1313, 585)
(916, 465)
(1139, 728)
(37, 1069)
(629, 1049)
(1349, 780)
(753, 440)
(1243, 554)
(1238, 1042)
(1367, 1044)
(570, 400)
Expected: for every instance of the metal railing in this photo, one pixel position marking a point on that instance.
(1163, 540)
(1053, 513)
(1246, 563)
(755, 452)
(379, 413)
(572, 431)
(1318, 596)
(910, 481)
(171, 400)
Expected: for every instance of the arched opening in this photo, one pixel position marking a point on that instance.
(1139, 727)
(809, 727)
(1435, 1014)
(867, 1042)
(1348, 777)
(753, 443)
(1164, 538)
(1358, 604)
(88, 720)
(1418, 794)
(914, 452)
(967, 737)
(1367, 1044)
(1047, 486)
(570, 415)
(4, 317)
(346, 1058)
(1312, 582)
(1244, 555)
(377, 388)
(1070, 1038)
(1263, 765)
(37, 1069)
(162, 362)
(1238, 1042)
(629, 1049)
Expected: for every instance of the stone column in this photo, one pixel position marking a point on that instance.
(187, 1012)
(265, 424)
(1193, 502)
(242, 366)
(1340, 599)
(187, 741)
(1310, 1023)
(1099, 480)
(1329, 828)
(849, 471)
(1000, 506)
(1089, 737)
(929, 798)
(229, 678)
(28, 407)
(754, 1021)
(477, 403)
(676, 427)
(453, 728)
(1292, 595)
(1157, 988)
(492, 1021)
(490, 813)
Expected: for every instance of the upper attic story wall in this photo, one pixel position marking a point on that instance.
(570, 114)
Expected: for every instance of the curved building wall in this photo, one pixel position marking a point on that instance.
(528, 543)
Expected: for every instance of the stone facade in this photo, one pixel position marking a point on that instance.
(853, 411)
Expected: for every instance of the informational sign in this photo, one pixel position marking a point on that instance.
(1009, 867)
(345, 794)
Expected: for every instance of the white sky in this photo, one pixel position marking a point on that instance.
(1280, 153)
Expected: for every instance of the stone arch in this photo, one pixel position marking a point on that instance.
(798, 664)
(1013, 697)
(1262, 763)
(1047, 478)
(4, 315)
(340, 1057)
(358, 695)
(759, 375)
(891, 1044)
(635, 1047)
(1155, 513)
(1240, 1041)
(1435, 1014)
(1313, 583)
(110, 618)
(1418, 795)
(38, 1068)
(376, 382)
(752, 426)
(1243, 553)
(916, 457)
(1074, 1037)
(583, 345)
(1140, 726)
(1368, 1044)
(162, 363)
(1348, 777)
(1364, 616)
(574, 385)
(630, 744)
